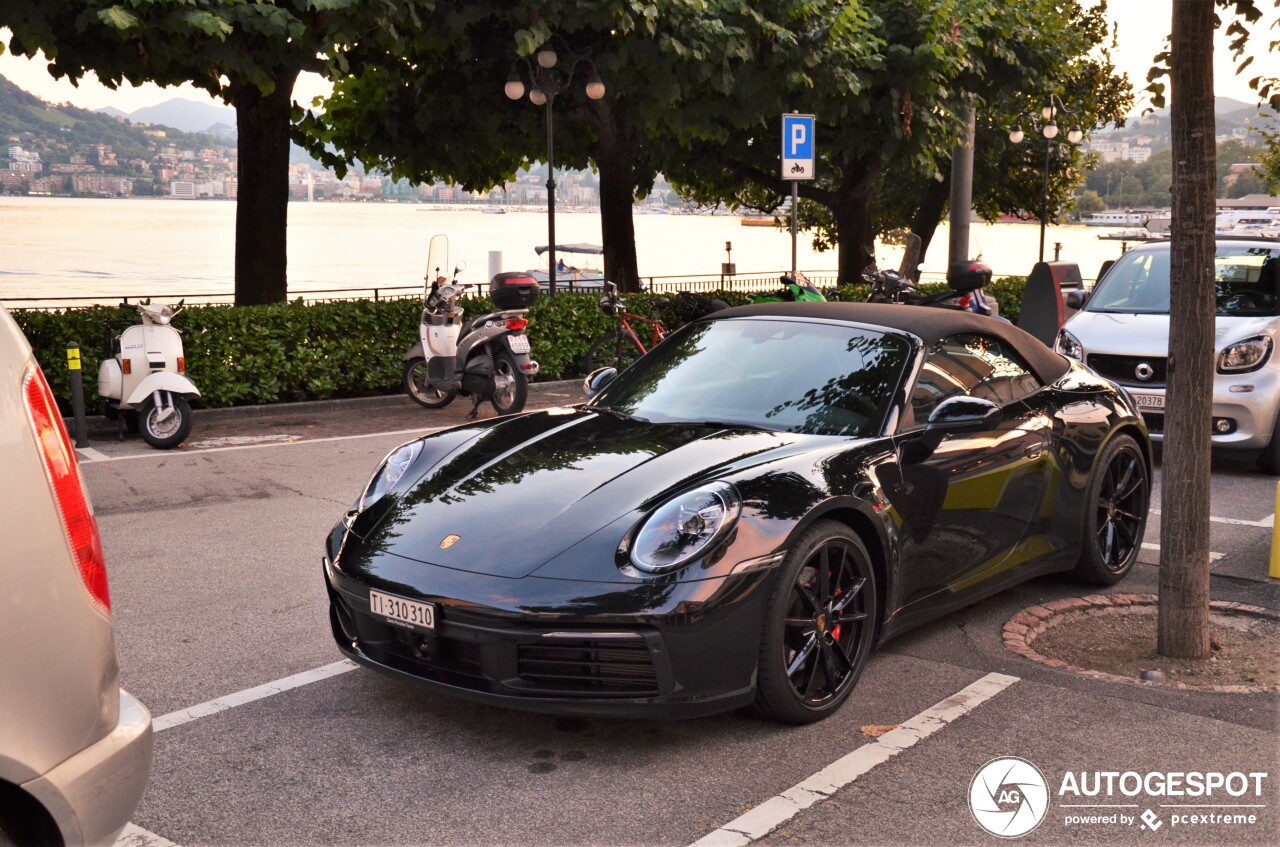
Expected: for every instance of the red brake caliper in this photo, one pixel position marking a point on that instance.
(835, 630)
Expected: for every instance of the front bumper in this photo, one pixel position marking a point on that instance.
(1253, 406)
(92, 795)
(684, 651)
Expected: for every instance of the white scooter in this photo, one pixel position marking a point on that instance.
(142, 380)
(486, 358)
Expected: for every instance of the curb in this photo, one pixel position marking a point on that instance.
(98, 423)
(1023, 628)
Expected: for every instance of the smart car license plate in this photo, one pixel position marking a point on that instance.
(519, 343)
(411, 613)
(1151, 402)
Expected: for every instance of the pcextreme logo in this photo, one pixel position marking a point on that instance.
(1010, 797)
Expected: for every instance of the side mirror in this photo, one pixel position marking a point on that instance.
(598, 380)
(459, 268)
(922, 267)
(963, 414)
(1077, 299)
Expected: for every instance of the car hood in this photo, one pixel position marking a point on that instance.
(1148, 335)
(528, 488)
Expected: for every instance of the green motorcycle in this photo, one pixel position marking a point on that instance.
(793, 291)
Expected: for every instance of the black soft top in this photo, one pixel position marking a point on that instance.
(928, 324)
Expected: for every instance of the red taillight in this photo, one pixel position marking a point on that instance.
(517, 324)
(68, 488)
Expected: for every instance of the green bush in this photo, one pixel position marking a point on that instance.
(293, 351)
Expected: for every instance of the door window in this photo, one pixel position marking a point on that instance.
(969, 364)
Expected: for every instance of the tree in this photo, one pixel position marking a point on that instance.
(1183, 622)
(668, 65)
(884, 153)
(249, 54)
(1269, 158)
(1088, 203)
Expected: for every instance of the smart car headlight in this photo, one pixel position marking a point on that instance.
(1245, 356)
(685, 526)
(1068, 345)
(389, 473)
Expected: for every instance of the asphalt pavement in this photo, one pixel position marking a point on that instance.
(213, 554)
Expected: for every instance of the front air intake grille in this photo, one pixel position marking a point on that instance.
(588, 666)
(1124, 369)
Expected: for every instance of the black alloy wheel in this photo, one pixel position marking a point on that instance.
(820, 625)
(1116, 504)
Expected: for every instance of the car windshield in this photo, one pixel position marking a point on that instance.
(767, 373)
(1246, 281)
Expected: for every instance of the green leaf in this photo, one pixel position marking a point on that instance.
(118, 17)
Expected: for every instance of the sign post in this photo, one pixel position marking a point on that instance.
(797, 163)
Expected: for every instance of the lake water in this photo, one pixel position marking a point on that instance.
(64, 247)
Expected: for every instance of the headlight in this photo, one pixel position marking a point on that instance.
(1068, 345)
(1244, 356)
(389, 473)
(684, 527)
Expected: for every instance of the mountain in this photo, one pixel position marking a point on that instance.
(113, 112)
(185, 115)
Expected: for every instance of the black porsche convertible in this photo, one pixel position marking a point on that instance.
(740, 516)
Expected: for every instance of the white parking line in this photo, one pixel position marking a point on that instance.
(166, 454)
(1267, 523)
(88, 453)
(775, 811)
(270, 689)
(136, 836)
(1147, 545)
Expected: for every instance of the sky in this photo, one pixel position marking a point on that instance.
(1139, 35)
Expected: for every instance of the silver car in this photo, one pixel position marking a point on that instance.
(1122, 332)
(75, 748)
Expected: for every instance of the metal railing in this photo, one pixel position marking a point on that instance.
(697, 283)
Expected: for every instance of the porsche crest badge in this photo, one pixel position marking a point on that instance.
(449, 541)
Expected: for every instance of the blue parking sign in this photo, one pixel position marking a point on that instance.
(797, 146)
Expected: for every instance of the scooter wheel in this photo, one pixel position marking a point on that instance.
(167, 433)
(420, 389)
(511, 386)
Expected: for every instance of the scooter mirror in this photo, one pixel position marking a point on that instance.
(922, 267)
(598, 380)
(459, 268)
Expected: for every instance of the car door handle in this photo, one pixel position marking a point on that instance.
(1034, 451)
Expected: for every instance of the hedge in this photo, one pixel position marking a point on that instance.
(294, 351)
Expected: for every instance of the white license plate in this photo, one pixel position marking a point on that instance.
(411, 613)
(1155, 402)
(519, 343)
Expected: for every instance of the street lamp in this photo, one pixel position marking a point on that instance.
(1049, 129)
(549, 78)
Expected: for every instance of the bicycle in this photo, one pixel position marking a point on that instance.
(621, 346)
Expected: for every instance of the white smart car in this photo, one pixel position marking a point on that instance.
(1122, 333)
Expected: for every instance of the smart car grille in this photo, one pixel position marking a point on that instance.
(1123, 369)
(588, 666)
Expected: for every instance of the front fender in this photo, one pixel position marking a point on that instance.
(162, 381)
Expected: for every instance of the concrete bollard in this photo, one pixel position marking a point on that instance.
(77, 394)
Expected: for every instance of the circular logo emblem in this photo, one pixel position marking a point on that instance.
(1144, 371)
(1008, 797)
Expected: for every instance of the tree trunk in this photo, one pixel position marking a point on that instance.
(262, 204)
(1184, 521)
(614, 157)
(855, 232)
(929, 215)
